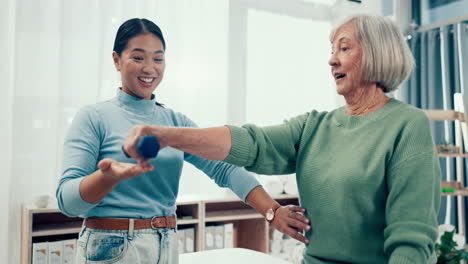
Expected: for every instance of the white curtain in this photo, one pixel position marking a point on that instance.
(6, 103)
(56, 58)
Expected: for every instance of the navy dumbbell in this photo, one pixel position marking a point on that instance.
(147, 147)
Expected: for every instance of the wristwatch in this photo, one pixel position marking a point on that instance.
(270, 213)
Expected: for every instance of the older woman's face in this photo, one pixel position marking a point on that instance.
(346, 59)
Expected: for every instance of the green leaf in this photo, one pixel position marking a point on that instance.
(447, 252)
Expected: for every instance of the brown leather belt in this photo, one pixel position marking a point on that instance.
(122, 224)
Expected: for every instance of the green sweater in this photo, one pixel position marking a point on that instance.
(370, 184)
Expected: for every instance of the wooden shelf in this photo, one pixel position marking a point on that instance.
(455, 185)
(453, 155)
(232, 215)
(460, 192)
(56, 229)
(444, 115)
(187, 221)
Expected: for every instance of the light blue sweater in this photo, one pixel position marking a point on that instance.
(98, 131)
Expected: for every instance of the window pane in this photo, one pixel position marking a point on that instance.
(433, 11)
(287, 70)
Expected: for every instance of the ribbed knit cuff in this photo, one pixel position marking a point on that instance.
(241, 153)
(409, 255)
(400, 260)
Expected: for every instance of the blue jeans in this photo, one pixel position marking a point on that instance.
(143, 246)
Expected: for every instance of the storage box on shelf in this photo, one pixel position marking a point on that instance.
(247, 228)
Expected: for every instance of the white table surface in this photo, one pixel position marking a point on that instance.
(229, 256)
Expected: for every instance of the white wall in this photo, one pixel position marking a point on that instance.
(277, 65)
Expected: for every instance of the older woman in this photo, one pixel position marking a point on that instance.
(368, 174)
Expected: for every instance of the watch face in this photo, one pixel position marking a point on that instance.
(270, 214)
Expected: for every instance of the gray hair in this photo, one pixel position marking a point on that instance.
(387, 59)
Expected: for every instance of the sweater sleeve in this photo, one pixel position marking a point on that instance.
(225, 175)
(267, 150)
(413, 185)
(80, 156)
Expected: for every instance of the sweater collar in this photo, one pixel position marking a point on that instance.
(344, 119)
(136, 104)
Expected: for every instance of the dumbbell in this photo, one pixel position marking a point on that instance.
(147, 147)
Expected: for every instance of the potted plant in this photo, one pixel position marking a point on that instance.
(450, 247)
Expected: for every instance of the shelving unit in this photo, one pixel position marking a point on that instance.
(250, 228)
(459, 116)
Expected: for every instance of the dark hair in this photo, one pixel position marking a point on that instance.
(132, 28)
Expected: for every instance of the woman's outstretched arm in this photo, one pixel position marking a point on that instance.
(210, 143)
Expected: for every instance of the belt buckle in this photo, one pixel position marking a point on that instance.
(152, 220)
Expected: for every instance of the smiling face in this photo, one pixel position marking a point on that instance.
(141, 65)
(346, 60)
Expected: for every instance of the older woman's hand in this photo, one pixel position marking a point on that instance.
(289, 220)
(135, 134)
